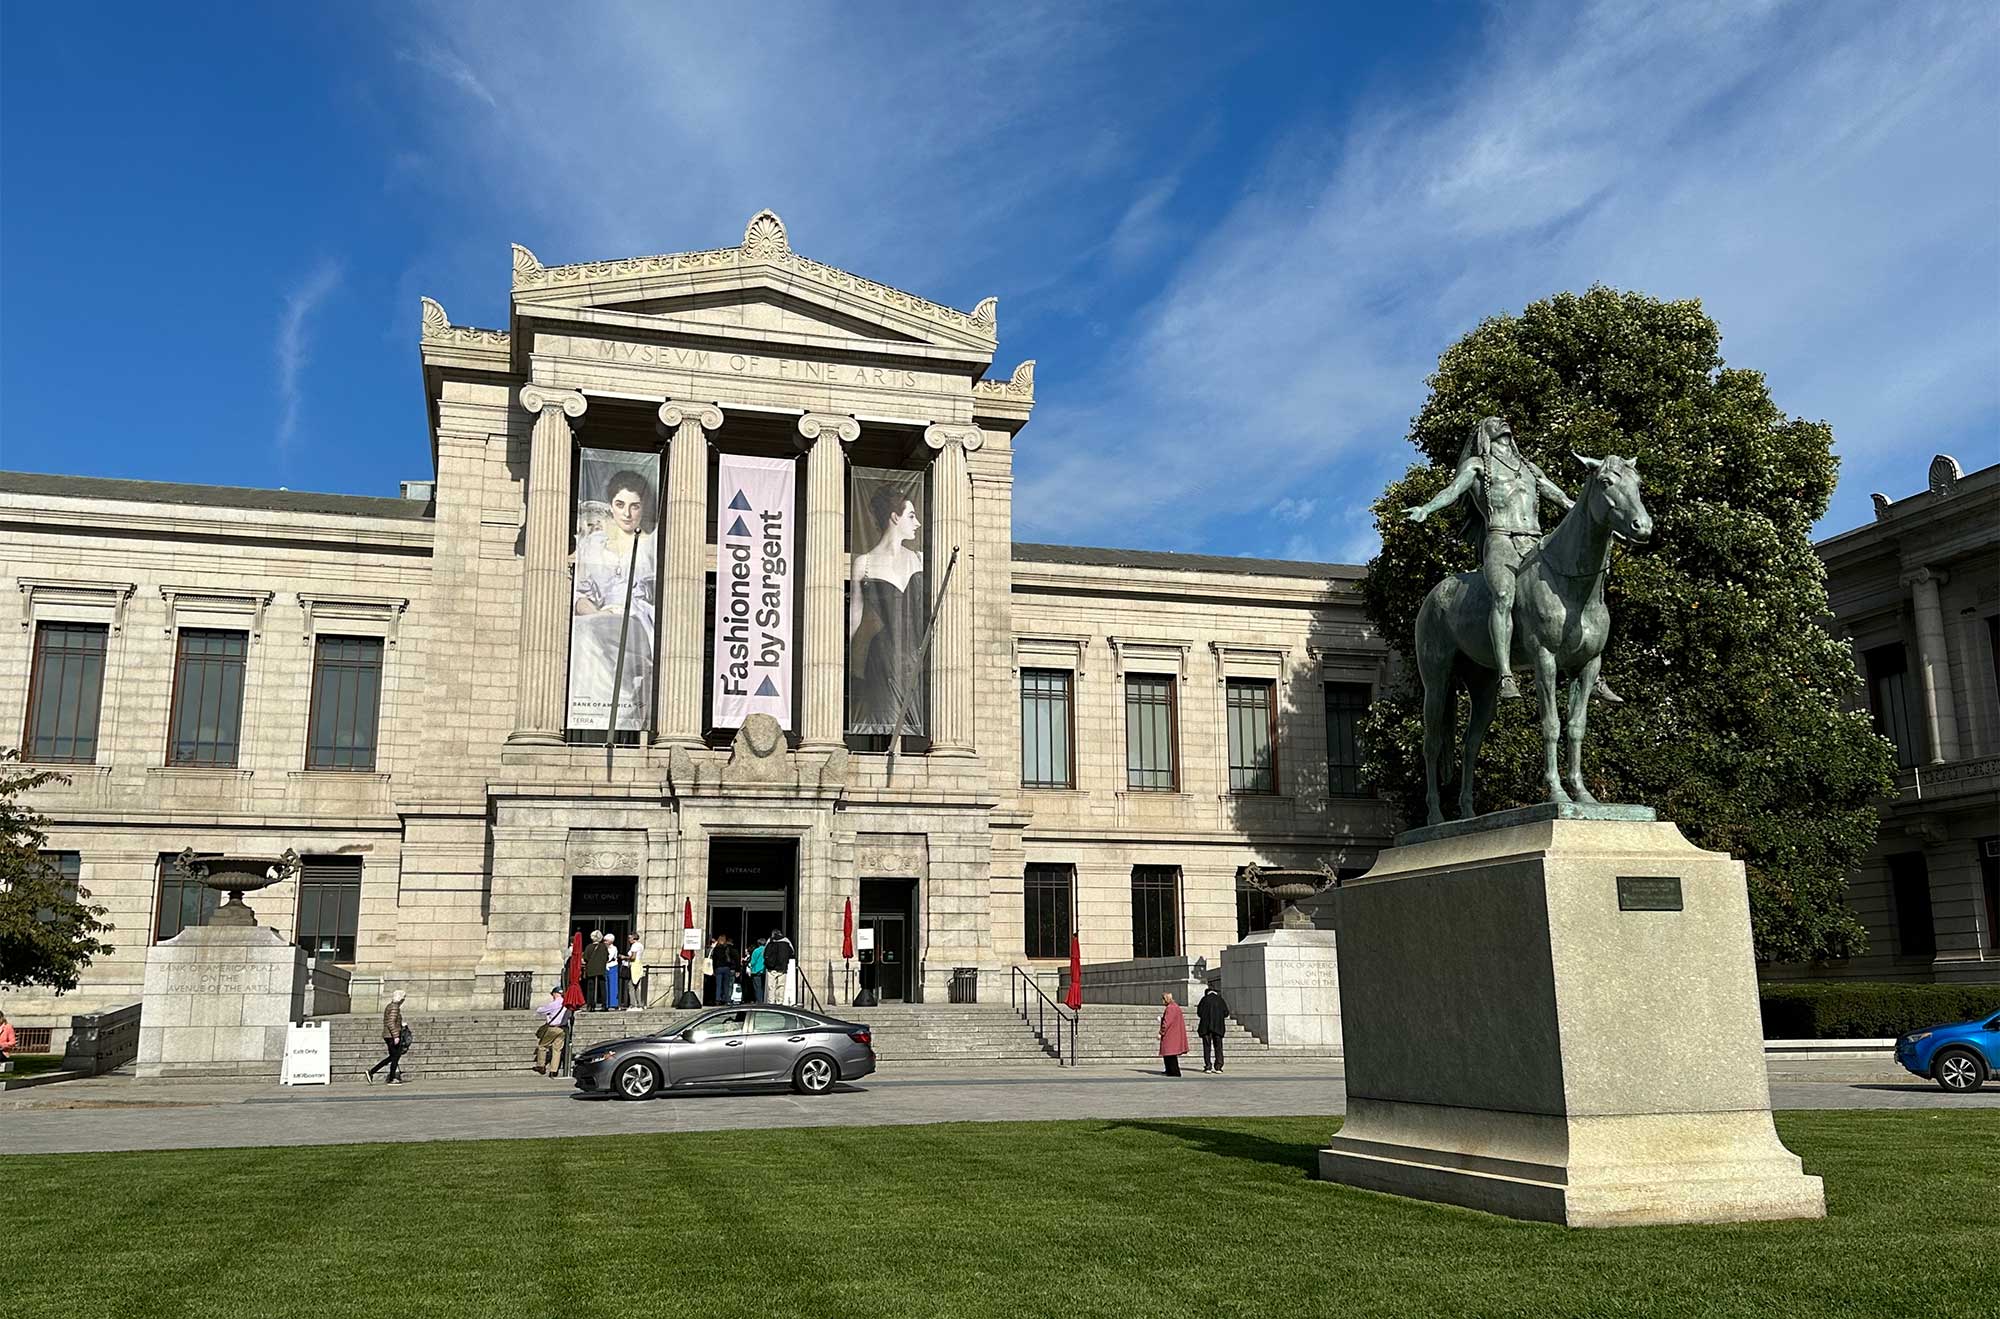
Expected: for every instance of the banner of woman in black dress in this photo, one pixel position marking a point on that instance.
(888, 603)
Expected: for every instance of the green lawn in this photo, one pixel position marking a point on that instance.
(1071, 1219)
(32, 1064)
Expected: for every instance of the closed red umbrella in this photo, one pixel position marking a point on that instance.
(687, 923)
(573, 975)
(1073, 1000)
(847, 931)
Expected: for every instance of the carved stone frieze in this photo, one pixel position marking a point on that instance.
(437, 328)
(891, 856)
(1019, 387)
(759, 754)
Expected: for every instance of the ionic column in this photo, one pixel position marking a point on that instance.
(1934, 664)
(684, 586)
(825, 575)
(951, 644)
(545, 587)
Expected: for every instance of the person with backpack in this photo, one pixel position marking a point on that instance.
(396, 1038)
(549, 1035)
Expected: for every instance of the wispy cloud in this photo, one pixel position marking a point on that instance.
(293, 344)
(1822, 178)
(454, 71)
(1289, 509)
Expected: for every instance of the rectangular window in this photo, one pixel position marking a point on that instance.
(1047, 909)
(346, 700)
(208, 698)
(1255, 910)
(1889, 700)
(1156, 911)
(1910, 889)
(1152, 753)
(1989, 874)
(65, 687)
(1045, 729)
(1251, 705)
(1346, 703)
(329, 906)
(183, 901)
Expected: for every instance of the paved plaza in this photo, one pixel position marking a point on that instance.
(119, 1113)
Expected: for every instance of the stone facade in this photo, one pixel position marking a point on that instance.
(481, 813)
(1917, 593)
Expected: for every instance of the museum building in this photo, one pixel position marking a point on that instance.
(711, 605)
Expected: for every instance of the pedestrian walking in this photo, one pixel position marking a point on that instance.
(595, 957)
(7, 1037)
(1173, 1034)
(549, 1035)
(757, 972)
(635, 973)
(1211, 1019)
(395, 1038)
(781, 960)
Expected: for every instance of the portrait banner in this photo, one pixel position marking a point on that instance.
(888, 602)
(617, 513)
(753, 589)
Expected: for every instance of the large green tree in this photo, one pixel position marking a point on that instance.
(1735, 723)
(48, 930)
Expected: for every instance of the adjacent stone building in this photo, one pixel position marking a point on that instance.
(1917, 592)
(393, 687)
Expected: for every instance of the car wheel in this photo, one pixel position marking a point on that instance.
(814, 1075)
(1958, 1070)
(635, 1080)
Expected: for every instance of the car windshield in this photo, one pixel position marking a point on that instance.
(678, 1024)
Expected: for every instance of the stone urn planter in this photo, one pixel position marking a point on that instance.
(235, 876)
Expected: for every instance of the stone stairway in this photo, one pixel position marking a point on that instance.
(470, 1044)
(1130, 1033)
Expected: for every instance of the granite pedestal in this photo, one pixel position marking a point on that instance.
(1556, 1019)
(1284, 986)
(217, 1001)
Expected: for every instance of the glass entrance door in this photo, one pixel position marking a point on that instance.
(891, 956)
(604, 902)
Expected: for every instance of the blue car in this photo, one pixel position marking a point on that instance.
(1959, 1057)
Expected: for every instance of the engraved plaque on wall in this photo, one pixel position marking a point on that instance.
(1649, 893)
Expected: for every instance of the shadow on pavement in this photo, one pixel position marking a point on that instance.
(1235, 1144)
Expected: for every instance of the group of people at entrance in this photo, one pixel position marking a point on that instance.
(1212, 1018)
(768, 973)
(613, 981)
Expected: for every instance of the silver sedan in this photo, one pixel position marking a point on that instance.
(730, 1047)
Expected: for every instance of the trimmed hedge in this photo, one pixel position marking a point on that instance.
(1868, 1010)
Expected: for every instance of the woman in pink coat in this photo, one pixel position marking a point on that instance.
(1173, 1035)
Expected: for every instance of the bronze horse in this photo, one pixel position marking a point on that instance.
(1560, 624)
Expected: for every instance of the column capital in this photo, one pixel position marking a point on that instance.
(968, 438)
(675, 413)
(1933, 577)
(818, 425)
(540, 398)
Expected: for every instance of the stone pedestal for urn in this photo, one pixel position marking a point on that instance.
(1283, 983)
(219, 996)
(1552, 1014)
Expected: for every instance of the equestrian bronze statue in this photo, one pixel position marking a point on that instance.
(1536, 602)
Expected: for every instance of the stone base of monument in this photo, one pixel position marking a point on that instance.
(217, 1001)
(1284, 986)
(1552, 1014)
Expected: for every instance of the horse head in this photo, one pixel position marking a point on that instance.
(1614, 484)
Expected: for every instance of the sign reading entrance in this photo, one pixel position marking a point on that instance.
(1649, 893)
(753, 589)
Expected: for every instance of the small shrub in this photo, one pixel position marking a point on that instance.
(1867, 1010)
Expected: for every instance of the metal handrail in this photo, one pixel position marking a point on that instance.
(1019, 988)
(809, 997)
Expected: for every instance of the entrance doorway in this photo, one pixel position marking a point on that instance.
(889, 914)
(604, 902)
(752, 890)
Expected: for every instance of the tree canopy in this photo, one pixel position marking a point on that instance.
(1735, 725)
(48, 929)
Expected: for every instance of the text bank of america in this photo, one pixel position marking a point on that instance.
(749, 518)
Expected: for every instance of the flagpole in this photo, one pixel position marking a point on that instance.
(618, 669)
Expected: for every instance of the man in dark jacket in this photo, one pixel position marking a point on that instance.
(596, 956)
(779, 956)
(1212, 1016)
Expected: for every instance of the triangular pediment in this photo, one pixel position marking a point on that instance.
(758, 287)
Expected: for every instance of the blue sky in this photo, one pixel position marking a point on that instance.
(1235, 237)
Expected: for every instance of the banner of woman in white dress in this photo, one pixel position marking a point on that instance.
(753, 589)
(888, 602)
(617, 513)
